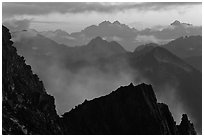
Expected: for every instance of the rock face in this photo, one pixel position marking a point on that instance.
(28, 109)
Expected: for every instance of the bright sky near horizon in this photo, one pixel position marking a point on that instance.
(73, 17)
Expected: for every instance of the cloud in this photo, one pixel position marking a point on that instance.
(31, 8)
(18, 36)
(150, 39)
(168, 94)
(51, 22)
(19, 29)
(17, 25)
(71, 89)
(165, 5)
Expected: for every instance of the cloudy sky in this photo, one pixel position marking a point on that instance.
(73, 17)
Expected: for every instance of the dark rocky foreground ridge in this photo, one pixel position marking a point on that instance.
(28, 109)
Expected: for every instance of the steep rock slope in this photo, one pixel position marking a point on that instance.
(27, 108)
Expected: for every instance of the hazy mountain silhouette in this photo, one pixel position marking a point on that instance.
(178, 23)
(98, 48)
(28, 109)
(187, 46)
(123, 34)
(108, 64)
(60, 36)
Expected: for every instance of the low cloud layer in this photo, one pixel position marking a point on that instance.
(145, 39)
(17, 25)
(20, 29)
(71, 89)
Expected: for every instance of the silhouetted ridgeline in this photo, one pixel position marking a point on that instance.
(128, 110)
(28, 109)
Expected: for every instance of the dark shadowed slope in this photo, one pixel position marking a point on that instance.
(183, 47)
(189, 49)
(186, 46)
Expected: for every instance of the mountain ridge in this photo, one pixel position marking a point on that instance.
(123, 34)
(28, 109)
(158, 66)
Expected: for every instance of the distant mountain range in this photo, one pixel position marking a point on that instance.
(188, 48)
(124, 35)
(128, 37)
(183, 47)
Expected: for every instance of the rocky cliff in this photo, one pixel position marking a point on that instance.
(28, 109)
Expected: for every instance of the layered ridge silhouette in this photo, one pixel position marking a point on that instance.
(28, 109)
(76, 72)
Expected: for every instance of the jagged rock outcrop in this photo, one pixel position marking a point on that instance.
(128, 110)
(186, 127)
(28, 109)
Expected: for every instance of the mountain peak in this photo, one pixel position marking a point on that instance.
(146, 47)
(176, 22)
(105, 23)
(104, 48)
(97, 39)
(117, 22)
(97, 42)
(186, 126)
(60, 32)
